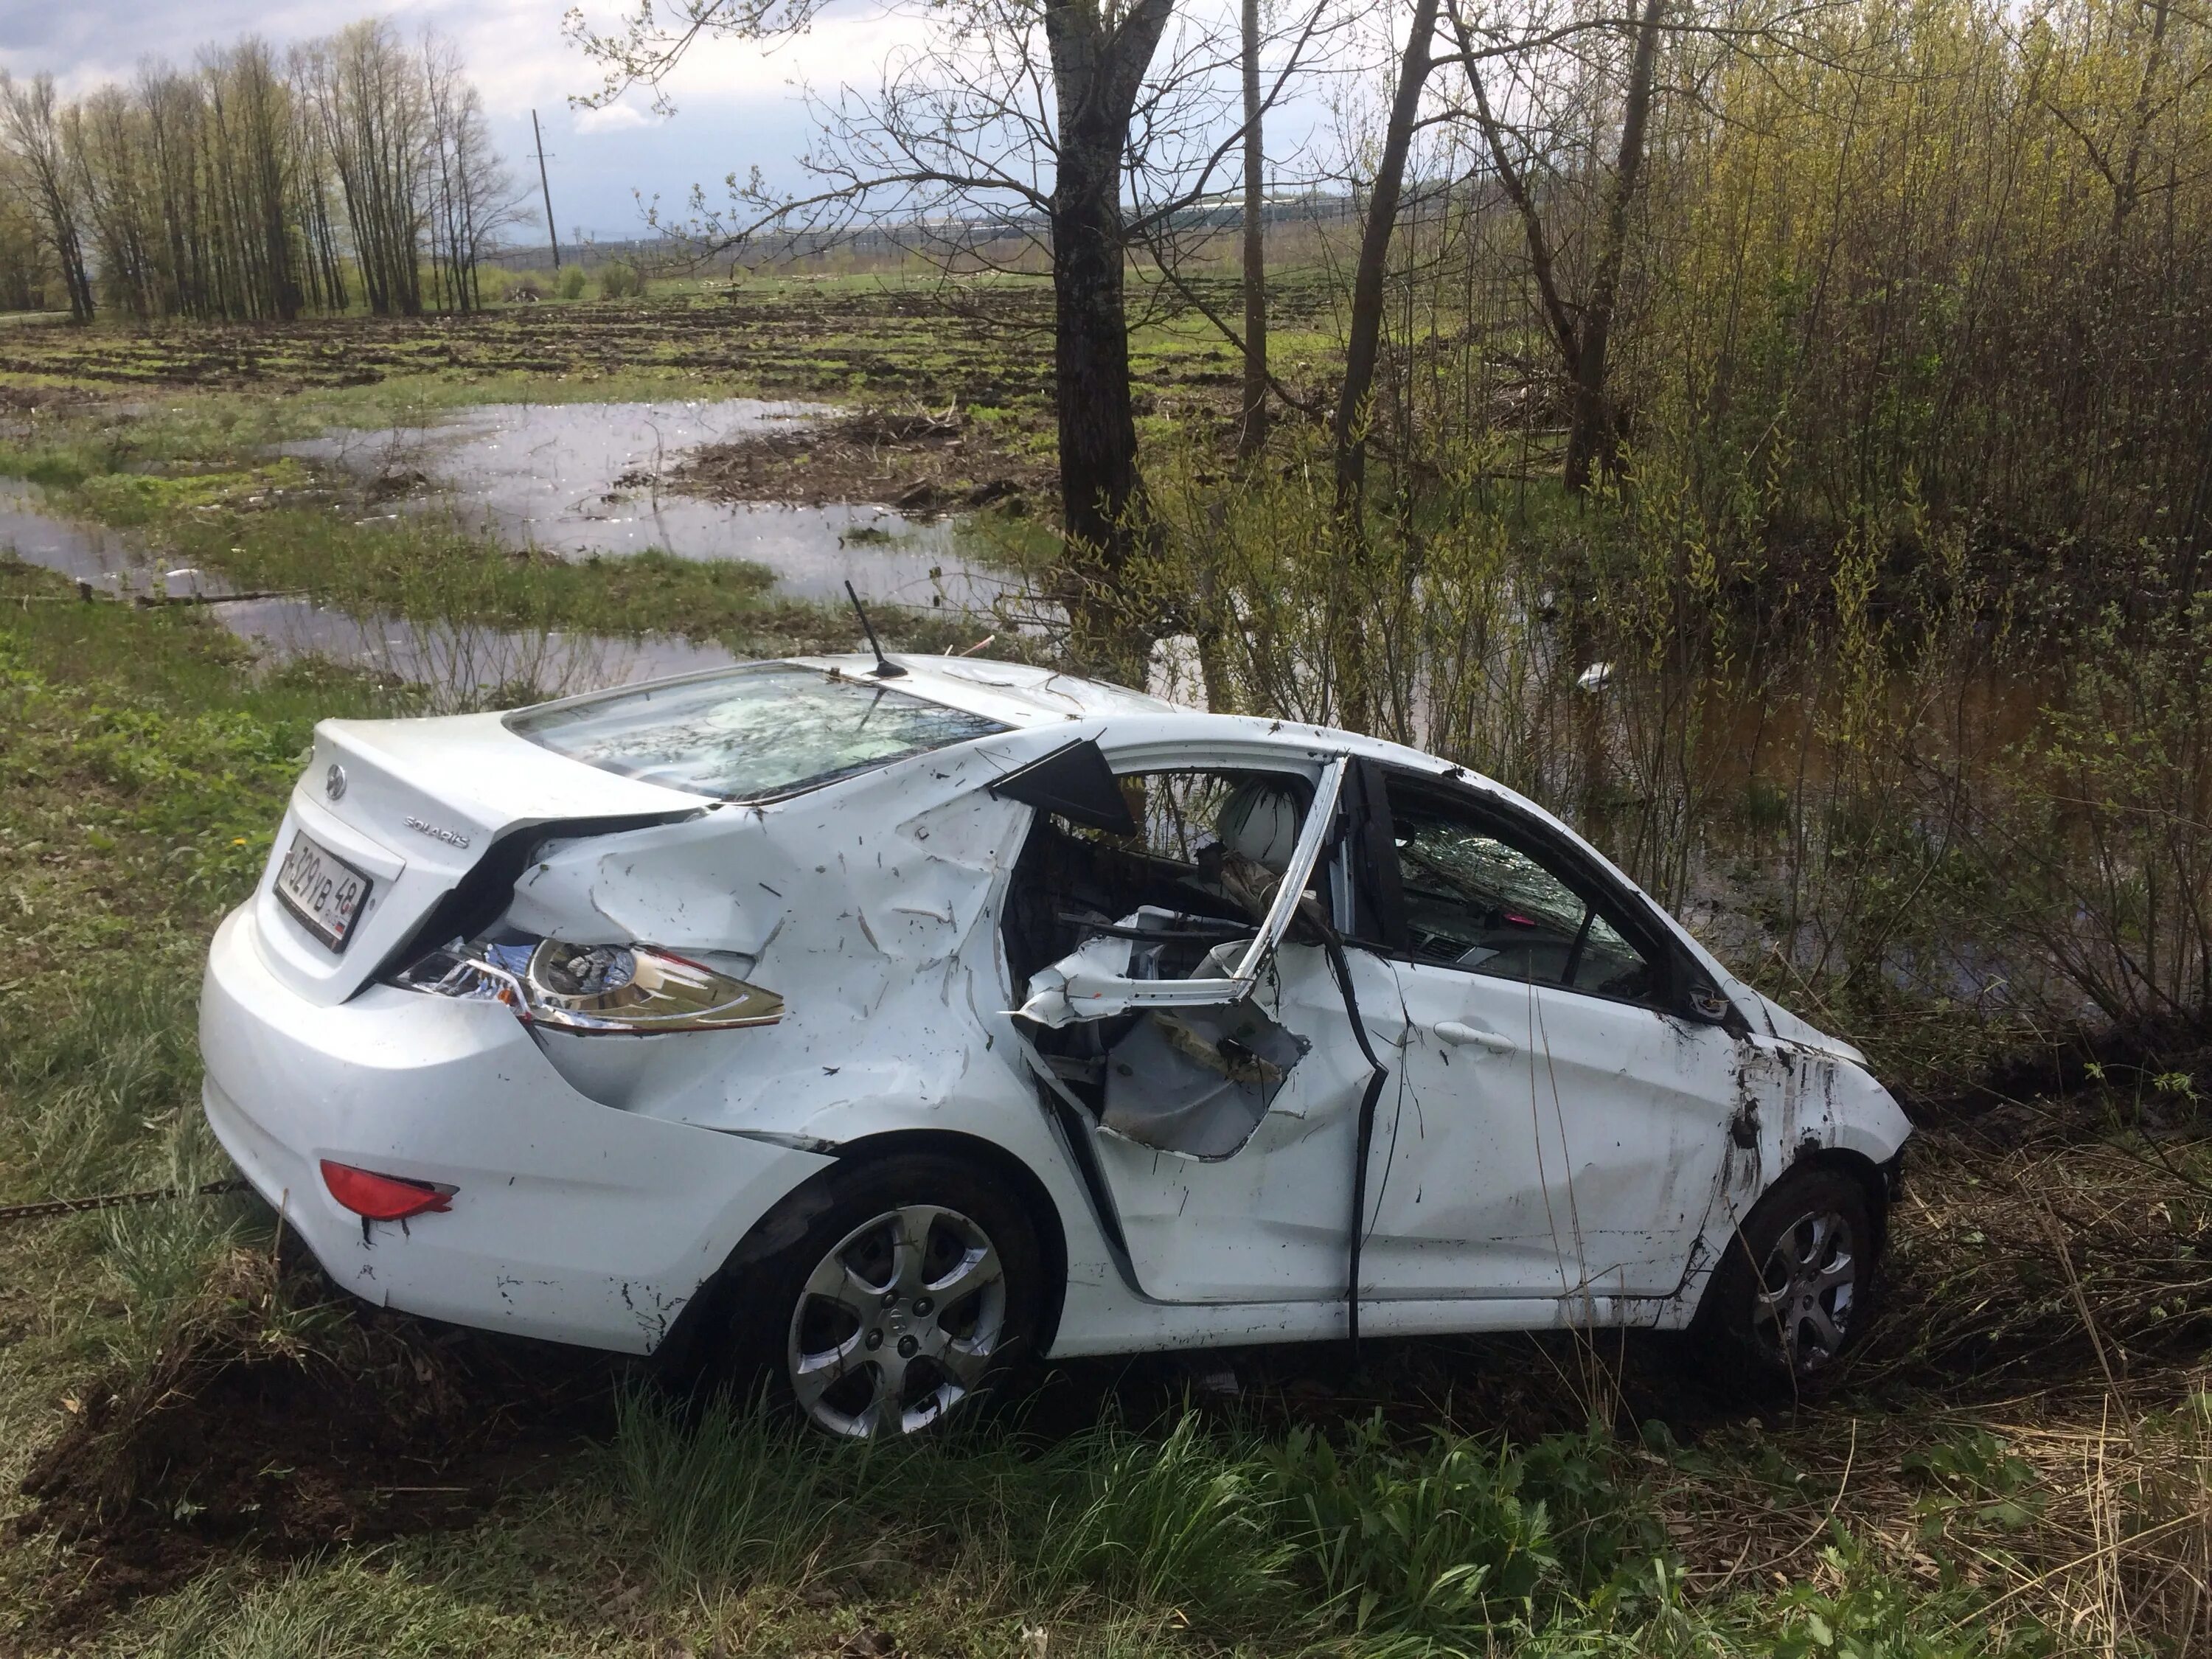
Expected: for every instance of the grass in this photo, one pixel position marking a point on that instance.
(2020, 1463)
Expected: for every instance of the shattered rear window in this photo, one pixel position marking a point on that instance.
(763, 730)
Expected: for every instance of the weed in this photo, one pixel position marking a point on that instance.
(733, 1497)
(1435, 1542)
(357, 1607)
(1178, 1519)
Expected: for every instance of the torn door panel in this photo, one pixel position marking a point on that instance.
(1144, 957)
(1197, 1080)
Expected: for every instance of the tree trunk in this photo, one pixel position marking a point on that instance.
(1364, 347)
(1098, 65)
(1101, 493)
(1590, 433)
(1252, 433)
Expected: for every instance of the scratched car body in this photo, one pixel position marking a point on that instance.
(884, 1024)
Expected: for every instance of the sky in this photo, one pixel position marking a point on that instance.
(737, 106)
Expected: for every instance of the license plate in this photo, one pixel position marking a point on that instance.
(322, 889)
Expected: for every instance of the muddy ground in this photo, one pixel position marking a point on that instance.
(950, 383)
(893, 342)
(892, 345)
(919, 463)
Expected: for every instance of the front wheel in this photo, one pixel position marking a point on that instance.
(912, 1288)
(1794, 1289)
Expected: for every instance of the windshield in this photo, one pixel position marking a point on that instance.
(764, 729)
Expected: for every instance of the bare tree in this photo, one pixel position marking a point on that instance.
(372, 106)
(1582, 332)
(255, 104)
(1364, 343)
(313, 183)
(471, 196)
(214, 192)
(31, 133)
(25, 268)
(1543, 52)
(1087, 128)
(100, 142)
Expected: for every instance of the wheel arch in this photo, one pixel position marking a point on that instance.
(1874, 1178)
(1036, 1199)
(689, 1344)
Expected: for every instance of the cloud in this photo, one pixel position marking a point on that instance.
(615, 117)
(738, 105)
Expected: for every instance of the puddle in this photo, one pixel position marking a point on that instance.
(583, 479)
(458, 664)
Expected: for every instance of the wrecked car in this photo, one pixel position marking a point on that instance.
(884, 1023)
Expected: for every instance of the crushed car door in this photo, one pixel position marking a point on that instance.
(1563, 1104)
(1191, 1027)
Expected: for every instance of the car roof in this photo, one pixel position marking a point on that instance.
(1014, 693)
(1025, 697)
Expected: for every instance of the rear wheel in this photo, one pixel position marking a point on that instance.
(1794, 1289)
(911, 1289)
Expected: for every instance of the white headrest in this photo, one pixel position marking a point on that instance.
(1259, 822)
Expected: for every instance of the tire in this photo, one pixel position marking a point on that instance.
(888, 1297)
(1793, 1291)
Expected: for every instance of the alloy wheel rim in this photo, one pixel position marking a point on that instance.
(1807, 1291)
(898, 1324)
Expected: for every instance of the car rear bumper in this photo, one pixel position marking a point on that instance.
(571, 1221)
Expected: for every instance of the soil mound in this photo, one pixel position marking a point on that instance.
(274, 1418)
(917, 461)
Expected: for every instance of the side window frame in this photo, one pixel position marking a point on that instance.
(1072, 990)
(1369, 913)
(1625, 910)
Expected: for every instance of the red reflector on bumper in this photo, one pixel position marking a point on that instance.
(382, 1197)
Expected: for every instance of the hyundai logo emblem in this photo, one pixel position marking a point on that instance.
(334, 782)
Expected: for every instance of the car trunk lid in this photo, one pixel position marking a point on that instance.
(414, 807)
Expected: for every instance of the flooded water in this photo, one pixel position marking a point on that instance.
(457, 664)
(581, 480)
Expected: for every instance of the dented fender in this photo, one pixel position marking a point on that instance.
(1793, 1100)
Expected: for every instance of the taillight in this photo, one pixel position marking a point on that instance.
(382, 1197)
(594, 989)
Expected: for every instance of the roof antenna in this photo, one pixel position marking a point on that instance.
(885, 669)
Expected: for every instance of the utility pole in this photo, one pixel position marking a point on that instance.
(551, 234)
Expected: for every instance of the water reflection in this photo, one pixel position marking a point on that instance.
(457, 665)
(580, 480)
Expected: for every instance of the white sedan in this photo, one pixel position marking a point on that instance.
(884, 1025)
